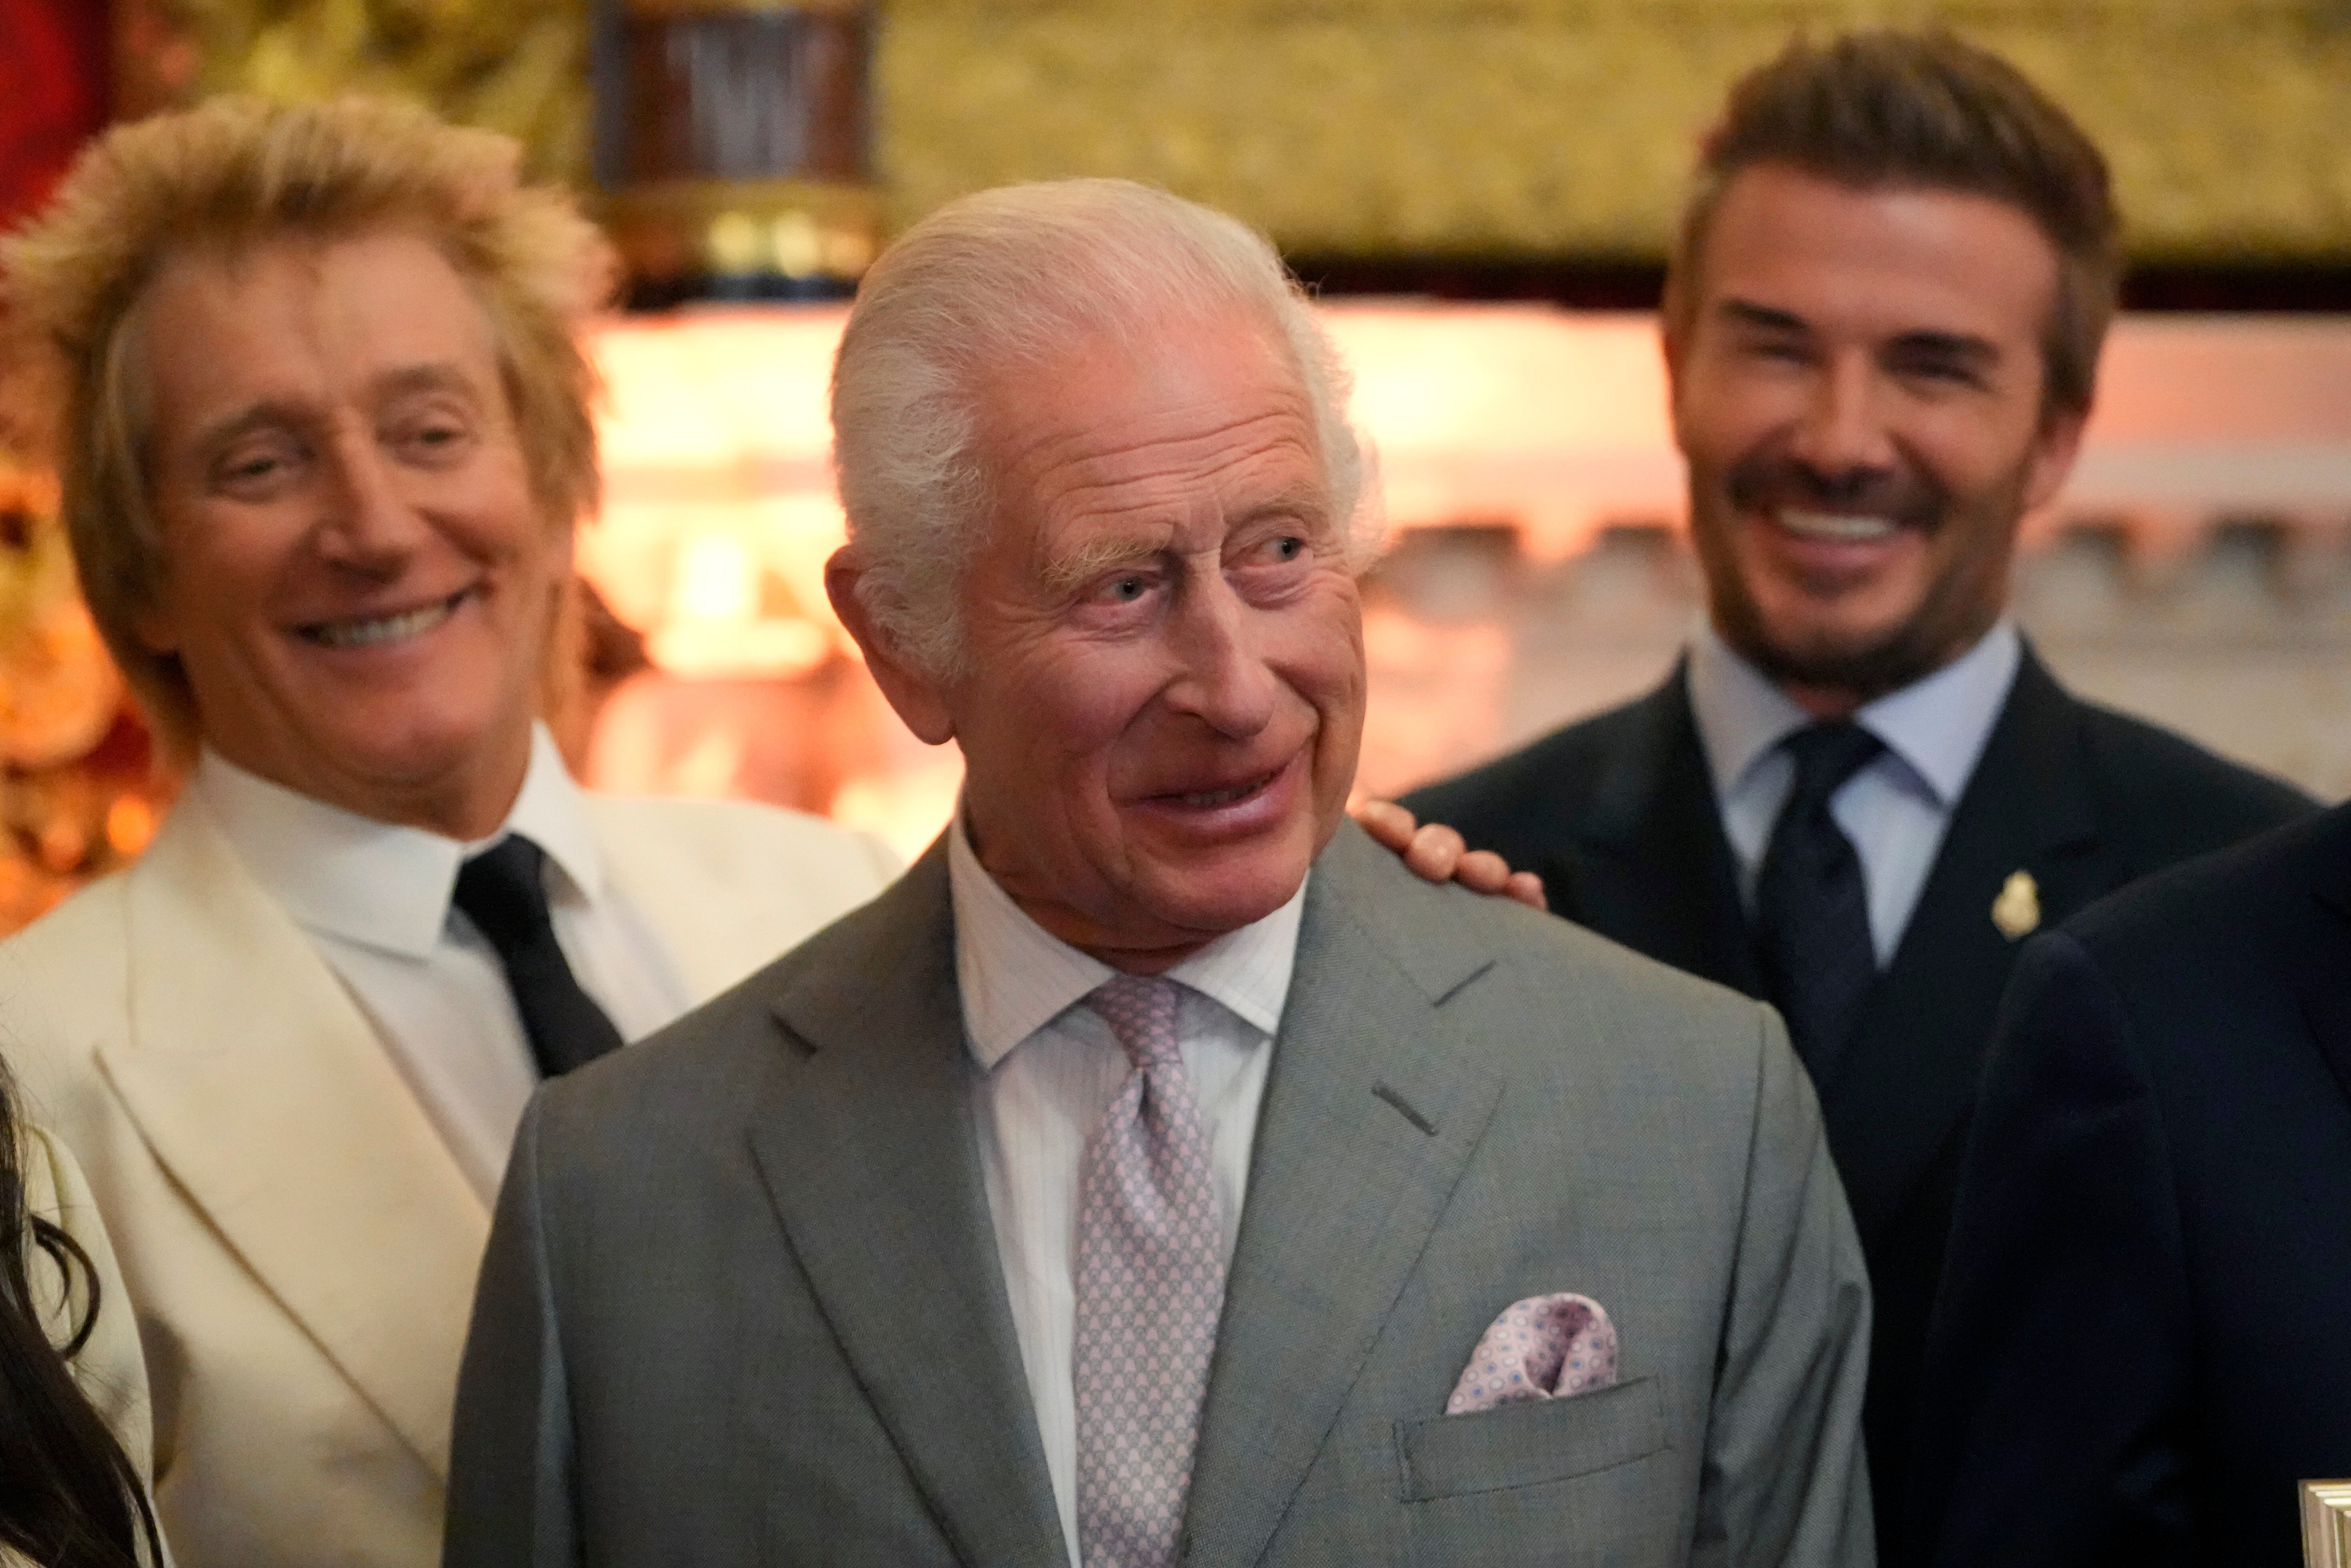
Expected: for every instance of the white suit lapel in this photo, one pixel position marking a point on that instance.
(267, 1094)
(711, 942)
(727, 888)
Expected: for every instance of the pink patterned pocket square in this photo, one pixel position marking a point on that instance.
(1545, 1347)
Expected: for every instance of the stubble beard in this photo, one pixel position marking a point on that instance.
(1965, 595)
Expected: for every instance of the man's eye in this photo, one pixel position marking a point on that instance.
(1280, 549)
(253, 466)
(1948, 371)
(1118, 588)
(433, 437)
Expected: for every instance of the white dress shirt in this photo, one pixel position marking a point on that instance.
(1049, 1071)
(1897, 809)
(375, 900)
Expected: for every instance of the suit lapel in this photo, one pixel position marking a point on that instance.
(1651, 867)
(870, 1159)
(711, 941)
(1346, 1187)
(1906, 1082)
(270, 1100)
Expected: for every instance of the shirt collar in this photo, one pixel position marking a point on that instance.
(1938, 725)
(1016, 976)
(380, 885)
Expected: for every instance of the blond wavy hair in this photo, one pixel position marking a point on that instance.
(223, 179)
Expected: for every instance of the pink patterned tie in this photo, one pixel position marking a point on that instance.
(1150, 1283)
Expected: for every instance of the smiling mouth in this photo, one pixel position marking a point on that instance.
(1835, 528)
(379, 630)
(1209, 799)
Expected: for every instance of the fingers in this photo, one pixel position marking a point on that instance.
(1388, 822)
(1482, 870)
(1434, 853)
(1438, 854)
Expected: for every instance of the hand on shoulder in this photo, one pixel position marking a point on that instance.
(1434, 853)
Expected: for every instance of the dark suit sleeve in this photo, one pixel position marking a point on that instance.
(1784, 1480)
(510, 1466)
(2049, 1430)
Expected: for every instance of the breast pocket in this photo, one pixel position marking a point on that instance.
(1531, 1443)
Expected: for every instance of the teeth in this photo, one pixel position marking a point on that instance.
(384, 629)
(1222, 797)
(1833, 525)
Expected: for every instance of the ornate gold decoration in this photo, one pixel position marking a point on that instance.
(1567, 126)
(58, 691)
(515, 65)
(1467, 127)
(710, 7)
(797, 228)
(75, 798)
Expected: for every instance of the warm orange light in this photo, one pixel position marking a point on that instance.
(720, 513)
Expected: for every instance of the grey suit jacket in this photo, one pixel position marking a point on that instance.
(742, 1302)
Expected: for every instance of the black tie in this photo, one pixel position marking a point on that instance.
(1812, 908)
(502, 893)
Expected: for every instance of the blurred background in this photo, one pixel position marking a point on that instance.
(1482, 190)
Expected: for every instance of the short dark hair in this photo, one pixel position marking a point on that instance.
(1879, 109)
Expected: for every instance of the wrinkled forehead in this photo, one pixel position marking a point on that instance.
(1172, 416)
(301, 320)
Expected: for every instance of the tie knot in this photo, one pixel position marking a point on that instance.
(1826, 755)
(503, 893)
(1141, 1011)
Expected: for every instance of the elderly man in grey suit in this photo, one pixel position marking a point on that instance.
(1157, 1173)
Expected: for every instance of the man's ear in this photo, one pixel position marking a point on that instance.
(1673, 343)
(918, 699)
(2052, 459)
(157, 629)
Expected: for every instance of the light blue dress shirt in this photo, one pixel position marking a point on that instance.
(1897, 809)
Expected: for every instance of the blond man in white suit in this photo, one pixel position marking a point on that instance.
(324, 429)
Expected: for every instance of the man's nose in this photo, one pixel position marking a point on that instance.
(1843, 429)
(1222, 678)
(368, 523)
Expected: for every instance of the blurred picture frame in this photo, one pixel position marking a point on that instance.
(2326, 1524)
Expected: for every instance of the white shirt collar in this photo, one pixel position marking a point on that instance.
(1016, 977)
(1938, 725)
(337, 873)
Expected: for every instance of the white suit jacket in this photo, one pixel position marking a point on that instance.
(299, 1243)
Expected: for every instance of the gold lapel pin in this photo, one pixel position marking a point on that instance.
(2017, 911)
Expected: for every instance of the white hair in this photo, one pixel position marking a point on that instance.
(1009, 278)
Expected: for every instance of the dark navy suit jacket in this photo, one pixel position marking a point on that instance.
(2145, 1335)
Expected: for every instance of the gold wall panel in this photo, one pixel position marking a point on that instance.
(515, 65)
(1510, 127)
(1551, 127)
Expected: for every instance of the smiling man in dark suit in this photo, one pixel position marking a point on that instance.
(1860, 788)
